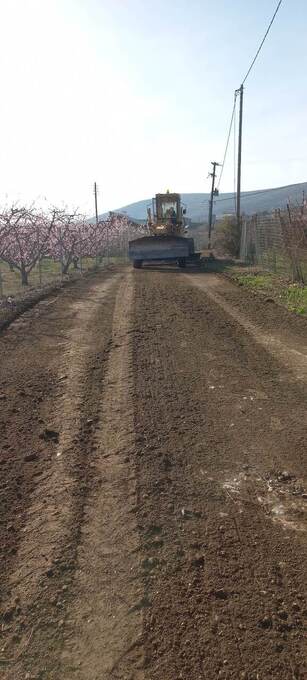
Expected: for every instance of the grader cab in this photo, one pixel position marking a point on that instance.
(167, 216)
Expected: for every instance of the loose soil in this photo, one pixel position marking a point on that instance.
(153, 483)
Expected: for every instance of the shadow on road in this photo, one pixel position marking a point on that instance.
(207, 266)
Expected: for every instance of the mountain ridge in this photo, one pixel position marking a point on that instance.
(197, 204)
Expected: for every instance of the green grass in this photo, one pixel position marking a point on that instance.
(11, 281)
(258, 281)
(295, 298)
(50, 271)
(291, 295)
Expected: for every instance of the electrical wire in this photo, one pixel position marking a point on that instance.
(233, 121)
(228, 139)
(263, 41)
(246, 194)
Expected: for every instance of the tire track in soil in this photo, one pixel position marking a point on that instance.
(65, 423)
(290, 357)
(225, 582)
(104, 626)
(37, 592)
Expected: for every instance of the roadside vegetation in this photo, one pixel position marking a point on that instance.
(291, 295)
(227, 237)
(286, 289)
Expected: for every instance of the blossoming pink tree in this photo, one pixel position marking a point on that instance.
(24, 237)
(121, 231)
(27, 235)
(65, 238)
(95, 238)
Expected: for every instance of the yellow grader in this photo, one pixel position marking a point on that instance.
(167, 240)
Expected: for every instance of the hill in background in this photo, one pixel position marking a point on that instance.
(256, 201)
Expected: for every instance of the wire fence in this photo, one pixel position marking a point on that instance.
(277, 242)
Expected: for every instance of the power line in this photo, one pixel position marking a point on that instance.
(263, 41)
(246, 194)
(233, 122)
(228, 140)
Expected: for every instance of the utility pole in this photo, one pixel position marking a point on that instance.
(214, 192)
(96, 203)
(240, 91)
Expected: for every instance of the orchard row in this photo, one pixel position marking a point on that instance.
(27, 235)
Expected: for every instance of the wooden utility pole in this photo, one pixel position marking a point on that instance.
(96, 203)
(240, 91)
(214, 192)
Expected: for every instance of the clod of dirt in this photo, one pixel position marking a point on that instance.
(285, 476)
(282, 614)
(50, 435)
(153, 530)
(8, 615)
(198, 562)
(157, 542)
(30, 457)
(220, 594)
(150, 563)
(167, 463)
(265, 623)
(2, 396)
(284, 627)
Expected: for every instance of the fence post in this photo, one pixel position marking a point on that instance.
(257, 245)
(1, 284)
(40, 271)
(39, 258)
(243, 241)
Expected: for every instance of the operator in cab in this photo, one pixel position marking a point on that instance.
(171, 214)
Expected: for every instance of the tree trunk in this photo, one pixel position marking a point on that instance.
(65, 267)
(24, 276)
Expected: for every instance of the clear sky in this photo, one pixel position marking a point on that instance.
(137, 95)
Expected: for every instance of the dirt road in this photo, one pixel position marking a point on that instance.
(153, 483)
